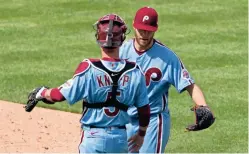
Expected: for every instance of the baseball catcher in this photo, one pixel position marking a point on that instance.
(106, 87)
(204, 118)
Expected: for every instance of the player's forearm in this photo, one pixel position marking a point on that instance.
(144, 119)
(53, 95)
(196, 94)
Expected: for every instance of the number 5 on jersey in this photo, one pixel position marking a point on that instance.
(107, 110)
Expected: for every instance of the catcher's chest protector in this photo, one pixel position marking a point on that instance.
(115, 77)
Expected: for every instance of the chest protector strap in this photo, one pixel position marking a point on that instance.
(111, 102)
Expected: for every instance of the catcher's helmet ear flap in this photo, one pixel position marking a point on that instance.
(110, 31)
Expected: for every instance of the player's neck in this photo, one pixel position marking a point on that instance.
(110, 53)
(140, 48)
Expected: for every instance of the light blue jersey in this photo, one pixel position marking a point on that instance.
(162, 68)
(94, 85)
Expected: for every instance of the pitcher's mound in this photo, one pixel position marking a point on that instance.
(42, 130)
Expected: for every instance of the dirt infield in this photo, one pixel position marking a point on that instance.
(40, 131)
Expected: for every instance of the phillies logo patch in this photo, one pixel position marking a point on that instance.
(185, 74)
(153, 74)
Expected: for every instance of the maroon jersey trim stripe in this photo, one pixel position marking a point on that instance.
(93, 59)
(81, 140)
(159, 137)
(111, 59)
(160, 43)
(141, 52)
(84, 110)
(82, 135)
(182, 66)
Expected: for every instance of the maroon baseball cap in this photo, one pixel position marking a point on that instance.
(146, 19)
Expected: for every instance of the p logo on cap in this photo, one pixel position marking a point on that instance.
(146, 19)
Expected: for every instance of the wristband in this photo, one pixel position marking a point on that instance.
(43, 93)
(141, 132)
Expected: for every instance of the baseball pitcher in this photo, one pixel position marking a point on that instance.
(162, 68)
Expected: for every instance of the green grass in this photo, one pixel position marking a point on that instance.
(42, 42)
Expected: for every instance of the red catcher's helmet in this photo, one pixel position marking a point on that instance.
(110, 31)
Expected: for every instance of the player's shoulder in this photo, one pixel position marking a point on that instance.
(84, 66)
(164, 51)
(161, 47)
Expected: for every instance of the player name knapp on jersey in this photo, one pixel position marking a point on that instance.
(99, 76)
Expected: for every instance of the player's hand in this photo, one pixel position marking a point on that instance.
(38, 95)
(135, 142)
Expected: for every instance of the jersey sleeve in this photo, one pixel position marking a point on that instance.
(73, 90)
(141, 97)
(179, 75)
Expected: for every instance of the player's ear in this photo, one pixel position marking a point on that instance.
(135, 30)
(133, 26)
